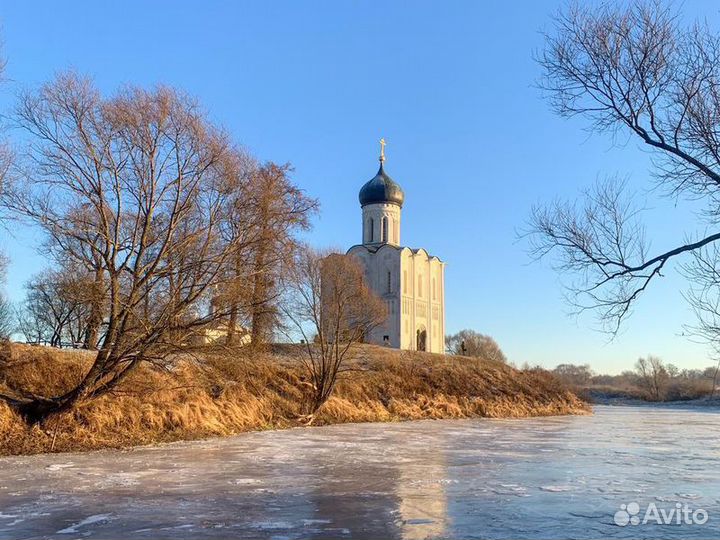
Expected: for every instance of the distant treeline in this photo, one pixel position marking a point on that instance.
(651, 380)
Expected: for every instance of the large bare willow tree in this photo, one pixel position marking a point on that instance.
(134, 188)
(634, 69)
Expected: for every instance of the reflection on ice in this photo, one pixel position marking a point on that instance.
(422, 501)
(538, 478)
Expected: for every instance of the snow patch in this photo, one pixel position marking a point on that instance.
(90, 520)
(691, 496)
(264, 525)
(245, 481)
(308, 522)
(119, 479)
(59, 466)
(555, 489)
(15, 519)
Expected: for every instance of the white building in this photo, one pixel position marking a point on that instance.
(410, 281)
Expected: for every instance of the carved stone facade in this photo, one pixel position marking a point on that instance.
(411, 282)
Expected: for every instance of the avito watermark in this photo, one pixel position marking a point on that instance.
(680, 514)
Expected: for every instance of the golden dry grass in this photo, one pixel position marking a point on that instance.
(229, 392)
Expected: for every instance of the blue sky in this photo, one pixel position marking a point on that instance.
(450, 87)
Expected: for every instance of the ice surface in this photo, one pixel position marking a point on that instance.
(538, 478)
(90, 520)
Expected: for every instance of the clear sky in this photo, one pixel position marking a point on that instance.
(450, 87)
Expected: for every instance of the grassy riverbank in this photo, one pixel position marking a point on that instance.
(221, 392)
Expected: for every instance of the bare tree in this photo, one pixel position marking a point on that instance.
(7, 318)
(653, 377)
(630, 69)
(281, 210)
(271, 210)
(574, 375)
(30, 324)
(57, 308)
(333, 309)
(6, 161)
(471, 343)
(131, 187)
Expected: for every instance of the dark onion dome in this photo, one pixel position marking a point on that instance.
(381, 189)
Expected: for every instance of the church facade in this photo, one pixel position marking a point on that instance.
(411, 282)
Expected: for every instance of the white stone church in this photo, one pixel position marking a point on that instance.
(410, 281)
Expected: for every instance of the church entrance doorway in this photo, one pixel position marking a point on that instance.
(421, 339)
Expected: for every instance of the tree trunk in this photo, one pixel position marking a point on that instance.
(232, 324)
(259, 321)
(39, 409)
(92, 334)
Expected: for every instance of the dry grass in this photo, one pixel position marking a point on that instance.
(229, 392)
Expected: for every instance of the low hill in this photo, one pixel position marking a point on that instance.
(221, 392)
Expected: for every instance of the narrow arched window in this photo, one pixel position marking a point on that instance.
(371, 230)
(389, 282)
(384, 229)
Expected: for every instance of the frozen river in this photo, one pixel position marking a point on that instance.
(538, 478)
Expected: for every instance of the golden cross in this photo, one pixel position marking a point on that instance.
(382, 149)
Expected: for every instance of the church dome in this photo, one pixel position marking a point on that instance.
(381, 189)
